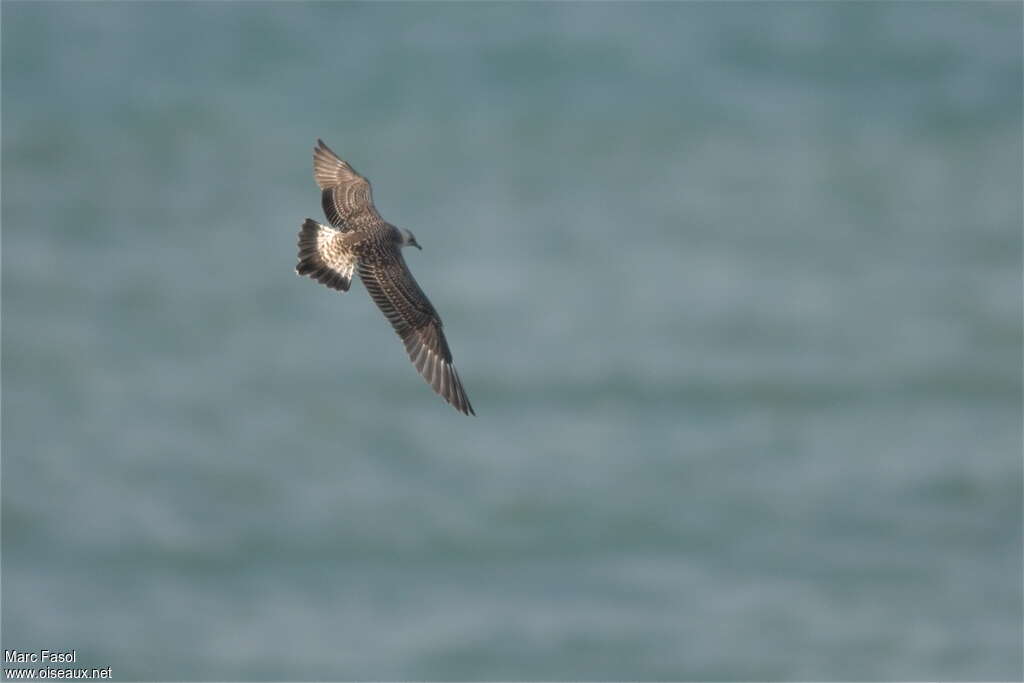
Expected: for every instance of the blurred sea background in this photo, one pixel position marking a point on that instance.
(735, 290)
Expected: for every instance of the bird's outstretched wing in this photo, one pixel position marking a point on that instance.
(407, 308)
(346, 195)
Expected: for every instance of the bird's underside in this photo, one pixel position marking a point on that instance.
(359, 240)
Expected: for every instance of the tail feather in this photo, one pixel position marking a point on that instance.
(323, 257)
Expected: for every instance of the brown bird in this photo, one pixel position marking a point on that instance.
(363, 241)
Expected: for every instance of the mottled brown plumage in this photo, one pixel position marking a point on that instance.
(363, 241)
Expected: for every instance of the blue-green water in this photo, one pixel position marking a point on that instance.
(735, 290)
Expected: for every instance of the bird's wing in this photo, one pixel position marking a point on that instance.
(346, 195)
(326, 255)
(407, 308)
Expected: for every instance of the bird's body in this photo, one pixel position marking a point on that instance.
(359, 240)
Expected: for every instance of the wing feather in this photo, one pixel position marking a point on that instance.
(346, 196)
(395, 291)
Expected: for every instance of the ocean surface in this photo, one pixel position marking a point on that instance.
(735, 290)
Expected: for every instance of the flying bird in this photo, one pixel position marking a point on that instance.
(361, 241)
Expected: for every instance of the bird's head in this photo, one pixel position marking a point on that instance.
(409, 240)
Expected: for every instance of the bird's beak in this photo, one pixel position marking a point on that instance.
(417, 246)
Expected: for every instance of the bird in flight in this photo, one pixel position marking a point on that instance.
(361, 241)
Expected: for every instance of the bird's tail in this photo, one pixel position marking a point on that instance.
(331, 267)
